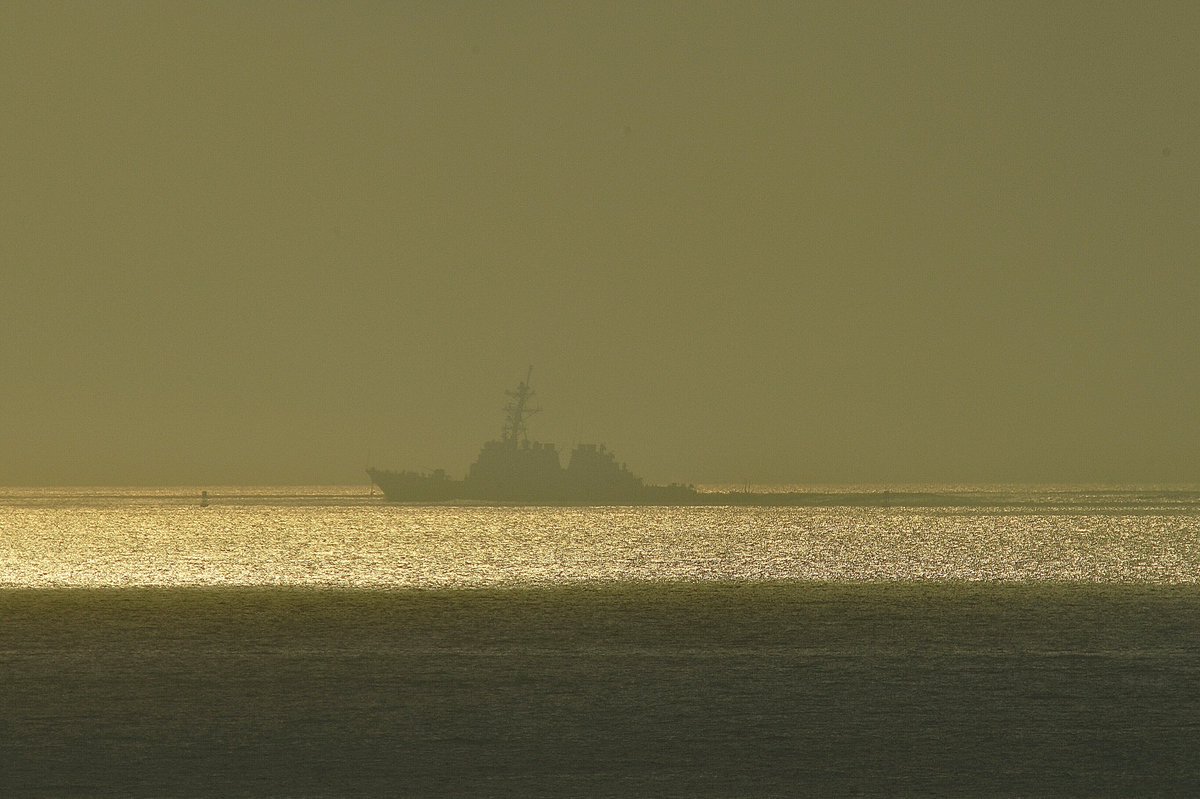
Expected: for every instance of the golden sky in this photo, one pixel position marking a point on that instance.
(779, 242)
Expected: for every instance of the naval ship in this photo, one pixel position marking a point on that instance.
(514, 469)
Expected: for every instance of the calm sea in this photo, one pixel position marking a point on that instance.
(346, 537)
(318, 642)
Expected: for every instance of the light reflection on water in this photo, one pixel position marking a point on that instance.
(343, 537)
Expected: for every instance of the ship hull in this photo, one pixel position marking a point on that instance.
(419, 489)
(413, 487)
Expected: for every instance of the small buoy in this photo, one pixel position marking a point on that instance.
(204, 499)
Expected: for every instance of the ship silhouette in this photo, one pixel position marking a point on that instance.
(516, 470)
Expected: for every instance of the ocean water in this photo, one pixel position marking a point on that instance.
(319, 642)
(345, 537)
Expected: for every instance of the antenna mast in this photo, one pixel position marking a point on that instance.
(517, 411)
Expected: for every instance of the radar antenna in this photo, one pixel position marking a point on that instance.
(517, 411)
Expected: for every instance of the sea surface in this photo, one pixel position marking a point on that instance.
(347, 537)
(319, 642)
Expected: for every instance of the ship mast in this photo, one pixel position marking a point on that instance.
(517, 411)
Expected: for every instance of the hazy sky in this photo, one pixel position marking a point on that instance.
(814, 242)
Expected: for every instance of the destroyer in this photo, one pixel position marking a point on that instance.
(515, 469)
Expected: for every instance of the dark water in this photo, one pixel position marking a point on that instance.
(668, 689)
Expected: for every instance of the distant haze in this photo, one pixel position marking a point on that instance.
(776, 242)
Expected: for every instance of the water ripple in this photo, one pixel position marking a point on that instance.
(128, 538)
